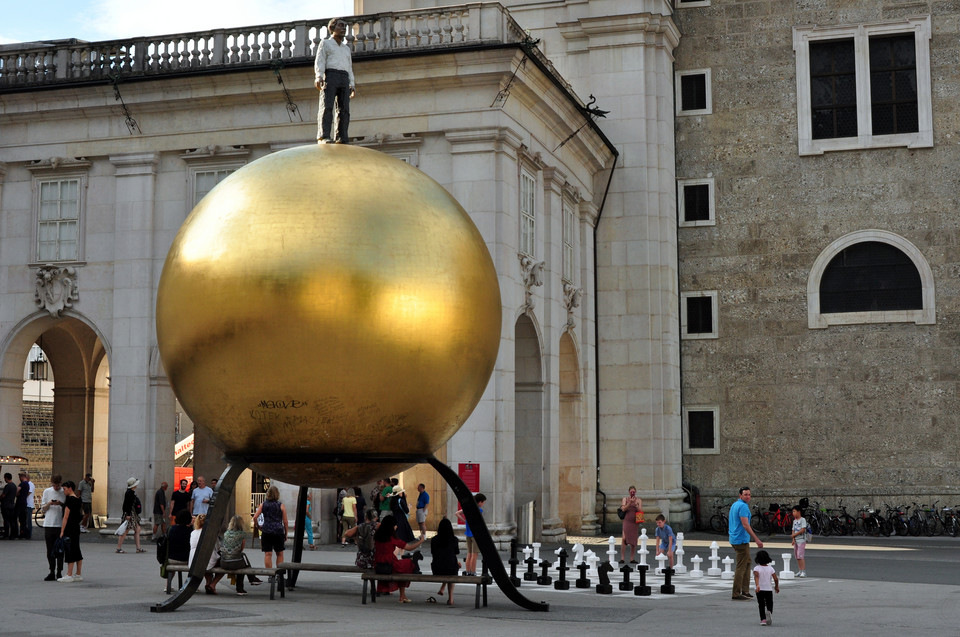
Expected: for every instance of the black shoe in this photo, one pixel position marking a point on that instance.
(50, 578)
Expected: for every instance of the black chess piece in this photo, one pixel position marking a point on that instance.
(513, 563)
(562, 584)
(583, 581)
(667, 588)
(530, 575)
(626, 584)
(604, 587)
(641, 589)
(544, 579)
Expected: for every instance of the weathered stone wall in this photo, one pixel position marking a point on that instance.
(867, 412)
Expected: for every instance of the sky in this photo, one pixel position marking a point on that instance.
(94, 20)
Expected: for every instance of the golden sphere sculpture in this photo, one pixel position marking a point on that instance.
(328, 299)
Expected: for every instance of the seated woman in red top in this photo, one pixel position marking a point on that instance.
(385, 559)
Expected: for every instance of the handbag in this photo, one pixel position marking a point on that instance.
(234, 563)
(383, 568)
(640, 519)
(122, 528)
(61, 546)
(621, 513)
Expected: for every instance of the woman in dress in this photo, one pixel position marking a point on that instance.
(273, 530)
(211, 585)
(70, 529)
(630, 505)
(400, 510)
(131, 514)
(444, 547)
(386, 543)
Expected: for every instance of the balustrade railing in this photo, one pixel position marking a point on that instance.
(31, 65)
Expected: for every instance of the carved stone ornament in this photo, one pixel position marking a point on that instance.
(571, 300)
(55, 289)
(532, 272)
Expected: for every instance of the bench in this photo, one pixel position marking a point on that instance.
(275, 576)
(481, 581)
(327, 568)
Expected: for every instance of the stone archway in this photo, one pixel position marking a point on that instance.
(77, 357)
(528, 420)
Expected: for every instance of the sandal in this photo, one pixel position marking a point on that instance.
(431, 600)
(209, 590)
(405, 600)
(141, 550)
(119, 551)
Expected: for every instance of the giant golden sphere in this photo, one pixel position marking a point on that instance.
(328, 299)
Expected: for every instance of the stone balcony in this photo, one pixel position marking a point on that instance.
(32, 65)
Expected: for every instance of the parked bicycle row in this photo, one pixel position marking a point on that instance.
(916, 519)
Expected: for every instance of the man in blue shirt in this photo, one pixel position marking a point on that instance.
(740, 533)
(422, 501)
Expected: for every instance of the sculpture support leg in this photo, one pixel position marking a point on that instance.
(481, 535)
(208, 538)
(298, 530)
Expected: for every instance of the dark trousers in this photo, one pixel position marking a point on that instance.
(55, 560)
(10, 522)
(25, 517)
(765, 601)
(335, 96)
(741, 575)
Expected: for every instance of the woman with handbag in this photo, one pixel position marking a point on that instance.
(131, 517)
(631, 512)
(273, 526)
(385, 559)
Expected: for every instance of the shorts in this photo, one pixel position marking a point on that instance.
(472, 545)
(799, 549)
(664, 547)
(86, 507)
(272, 542)
(421, 516)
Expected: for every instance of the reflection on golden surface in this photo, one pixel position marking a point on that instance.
(328, 299)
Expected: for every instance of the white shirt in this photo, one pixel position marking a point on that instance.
(765, 572)
(331, 55)
(54, 514)
(800, 525)
(30, 495)
(198, 496)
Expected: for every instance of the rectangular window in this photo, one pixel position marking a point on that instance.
(205, 180)
(695, 202)
(833, 89)
(864, 86)
(893, 85)
(693, 92)
(700, 430)
(58, 221)
(698, 315)
(569, 242)
(528, 202)
(682, 4)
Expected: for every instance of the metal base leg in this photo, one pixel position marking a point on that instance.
(299, 529)
(222, 498)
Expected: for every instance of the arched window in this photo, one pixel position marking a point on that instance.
(870, 276)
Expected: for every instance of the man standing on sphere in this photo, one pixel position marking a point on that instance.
(333, 77)
(740, 533)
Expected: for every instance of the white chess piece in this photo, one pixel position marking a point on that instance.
(643, 552)
(786, 573)
(679, 567)
(714, 570)
(727, 563)
(696, 572)
(662, 559)
(536, 552)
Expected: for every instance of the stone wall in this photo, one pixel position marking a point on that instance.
(864, 412)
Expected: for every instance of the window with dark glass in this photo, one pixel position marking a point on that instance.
(893, 85)
(693, 92)
(696, 202)
(699, 315)
(833, 89)
(700, 430)
(869, 277)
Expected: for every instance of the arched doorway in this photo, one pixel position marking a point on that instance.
(79, 373)
(528, 420)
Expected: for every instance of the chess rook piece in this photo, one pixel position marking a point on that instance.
(641, 589)
(530, 575)
(544, 579)
(626, 584)
(513, 563)
(583, 581)
(667, 588)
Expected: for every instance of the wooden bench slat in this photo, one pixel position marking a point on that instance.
(480, 581)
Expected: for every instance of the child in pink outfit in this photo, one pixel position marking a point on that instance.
(767, 582)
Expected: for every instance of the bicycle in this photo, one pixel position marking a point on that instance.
(778, 518)
(951, 523)
(868, 522)
(917, 522)
(719, 523)
(758, 522)
(842, 523)
(818, 520)
(897, 519)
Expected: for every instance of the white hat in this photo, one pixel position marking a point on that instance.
(397, 489)
(132, 482)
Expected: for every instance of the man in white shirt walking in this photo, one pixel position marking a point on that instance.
(52, 506)
(333, 71)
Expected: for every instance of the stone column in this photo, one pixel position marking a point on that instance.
(133, 442)
(70, 410)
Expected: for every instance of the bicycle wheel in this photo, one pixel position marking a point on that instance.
(825, 528)
(914, 526)
(716, 524)
(850, 525)
(952, 527)
(837, 527)
(899, 526)
(759, 524)
(871, 526)
(931, 526)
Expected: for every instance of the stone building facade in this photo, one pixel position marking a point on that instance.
(820, 236)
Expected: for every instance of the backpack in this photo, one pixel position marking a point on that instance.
(807, 535)
(365, 541)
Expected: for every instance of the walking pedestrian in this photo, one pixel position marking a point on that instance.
(131, 510)
(630, 506)
(160, 510)
(273, 527)
(766, 580)
(740, 532)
